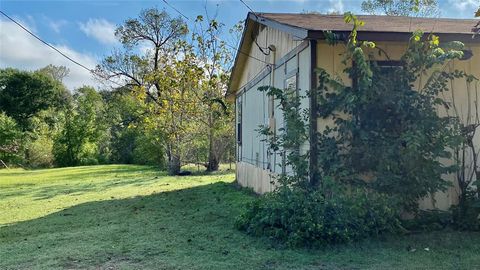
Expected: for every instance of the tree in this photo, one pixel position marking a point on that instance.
(216, 117)
(78, 143)
(154, 30)
(10, 139)
(149, 72)
(179, 80)
(422, 8)
(58, 73)
(23, 94)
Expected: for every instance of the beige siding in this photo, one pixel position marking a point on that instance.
(267, 36)
(254, 163)
(330, 59)
(256, 178)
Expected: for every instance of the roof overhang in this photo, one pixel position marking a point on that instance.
(253, 21)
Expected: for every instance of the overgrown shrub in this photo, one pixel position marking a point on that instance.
(378, 159)
(429, 220)
(298, 217)
(467, 216)
(389, 129)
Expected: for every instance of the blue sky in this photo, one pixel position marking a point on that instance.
(84, 29)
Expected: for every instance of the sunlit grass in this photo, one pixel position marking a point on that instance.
(31, 194)
(135, 217)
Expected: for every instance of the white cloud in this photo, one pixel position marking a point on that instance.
(100, 29)
(57, 25)
(465, 5)
(336, 6)
(18, 49)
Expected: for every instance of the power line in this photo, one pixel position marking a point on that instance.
(178, 11)
(57, 50)
(245, 4)
(258, 18)
(44, 42)
(228, 45)
(244, 53)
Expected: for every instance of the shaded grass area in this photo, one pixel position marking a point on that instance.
(134, 217)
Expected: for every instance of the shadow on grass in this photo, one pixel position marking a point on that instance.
(176, 228)
(81, 180)
(194, 229)
(112, 176)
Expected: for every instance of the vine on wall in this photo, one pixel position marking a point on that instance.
(382, 154)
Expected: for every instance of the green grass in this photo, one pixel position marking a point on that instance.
(134, 217)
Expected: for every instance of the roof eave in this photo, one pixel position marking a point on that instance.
(395, 36)
(230, 94)
(243, 51)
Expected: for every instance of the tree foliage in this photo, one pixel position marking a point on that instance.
(57, 73)
(422, 8)
(82, 130)
(387, 131)
(23, 94)
(178, 80)
(10, 139)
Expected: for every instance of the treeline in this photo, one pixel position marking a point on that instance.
(164, 104)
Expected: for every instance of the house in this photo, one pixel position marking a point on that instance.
(283, 50)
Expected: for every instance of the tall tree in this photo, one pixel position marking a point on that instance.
(422, 8)
(83, 127)
(145, 39)
(153, 44)
(216, 117)
(23, 94)
(58, 73)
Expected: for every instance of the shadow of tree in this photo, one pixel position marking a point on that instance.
(194, 229)
(177, 227)
(112, 176)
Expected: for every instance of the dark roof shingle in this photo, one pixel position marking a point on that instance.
(385, 24)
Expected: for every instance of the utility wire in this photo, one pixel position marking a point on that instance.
(262, 49)
(245, 4)
(76, 62)
(57, 50)
(46, 43)
(178, 11)
(258, 18)
(244, 53)
(228, 45)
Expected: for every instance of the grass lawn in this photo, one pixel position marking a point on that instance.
(134, 217)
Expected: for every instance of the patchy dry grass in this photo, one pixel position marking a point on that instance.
(135, 217)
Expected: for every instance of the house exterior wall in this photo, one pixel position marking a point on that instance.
(256, 167)
(330, 59)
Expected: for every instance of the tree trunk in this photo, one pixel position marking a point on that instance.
(213, 163)
(174, 164)
(213, 160)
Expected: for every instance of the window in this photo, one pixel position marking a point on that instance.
(239, 120)
(386, 67)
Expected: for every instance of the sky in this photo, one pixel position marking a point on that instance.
(84, 29)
